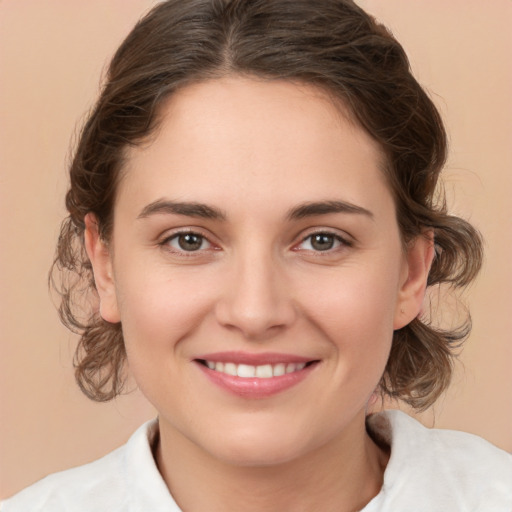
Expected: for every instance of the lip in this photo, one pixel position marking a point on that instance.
(253, 387)
(254, 359)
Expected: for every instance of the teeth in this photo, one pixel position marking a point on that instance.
(279, 369)
(291, 367)
(265, 371)
(244, 370)
(230, 368)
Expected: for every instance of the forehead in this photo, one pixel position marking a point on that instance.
(228, 139)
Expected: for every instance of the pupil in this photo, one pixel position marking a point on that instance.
(322, 242)
(190, 242)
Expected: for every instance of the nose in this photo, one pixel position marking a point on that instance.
(257, 300)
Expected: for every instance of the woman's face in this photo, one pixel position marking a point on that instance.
(255, 235)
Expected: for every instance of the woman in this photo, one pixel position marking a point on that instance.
(252, 210)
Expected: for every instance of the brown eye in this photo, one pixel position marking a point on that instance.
(322, 241)
(188, 242)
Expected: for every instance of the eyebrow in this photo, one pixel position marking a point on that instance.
(190, 209)
(326, 207)
(204, 211)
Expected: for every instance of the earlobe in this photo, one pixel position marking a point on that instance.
(418, 261)
(100, 258)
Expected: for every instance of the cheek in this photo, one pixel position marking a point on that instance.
(160, 315)
(160, 307)
(356, 296)
(354, 308)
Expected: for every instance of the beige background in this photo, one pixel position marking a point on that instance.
(52, 53)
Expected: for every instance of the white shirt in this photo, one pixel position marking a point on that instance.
(429, 471)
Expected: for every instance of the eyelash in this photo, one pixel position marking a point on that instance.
(338, 241)
(166, 243)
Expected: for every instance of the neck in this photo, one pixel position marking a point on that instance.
(342, 475)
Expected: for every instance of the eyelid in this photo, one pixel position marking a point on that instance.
(174, 233)
(344, 239)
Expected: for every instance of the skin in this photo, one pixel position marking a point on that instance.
(254, 151)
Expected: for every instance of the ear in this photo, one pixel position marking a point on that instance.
(101, 260)
(414, 275)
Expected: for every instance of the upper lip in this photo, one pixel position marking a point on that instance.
(254, 359)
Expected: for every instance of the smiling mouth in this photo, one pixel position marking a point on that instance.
(264, 371)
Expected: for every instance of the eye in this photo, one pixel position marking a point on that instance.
(188, 242)
(321, 242)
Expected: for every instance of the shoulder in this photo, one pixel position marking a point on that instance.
(107, 484)
(442, 469)
(73, 489)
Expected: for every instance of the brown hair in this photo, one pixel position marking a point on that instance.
(329, 43)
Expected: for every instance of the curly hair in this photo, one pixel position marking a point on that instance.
(332, 44)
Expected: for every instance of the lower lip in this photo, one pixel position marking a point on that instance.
(252, 387)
